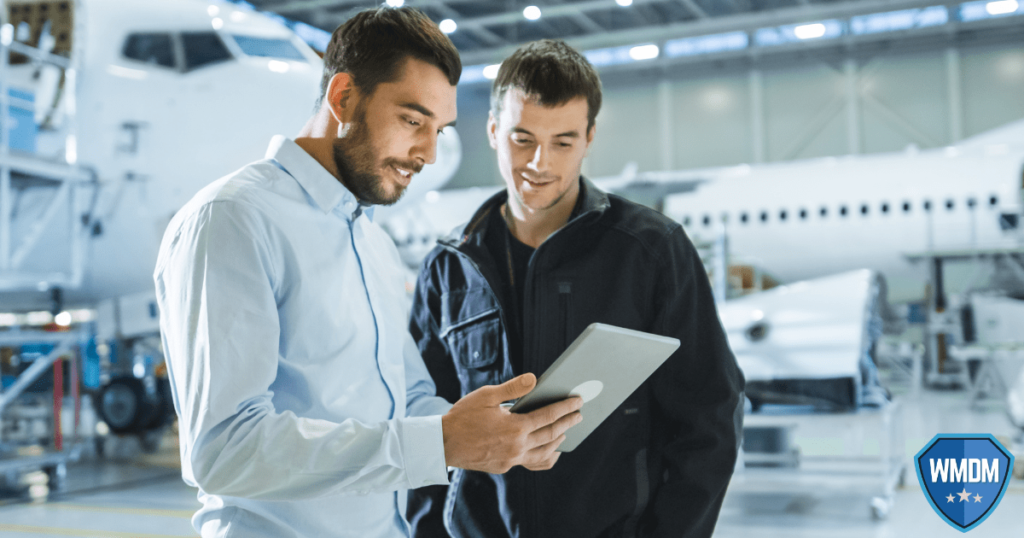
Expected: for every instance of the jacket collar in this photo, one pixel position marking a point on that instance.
(592, 203)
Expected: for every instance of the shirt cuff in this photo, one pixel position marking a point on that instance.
(422, 442)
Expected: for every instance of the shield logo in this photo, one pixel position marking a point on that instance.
(964, 476)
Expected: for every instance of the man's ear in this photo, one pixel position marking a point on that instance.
(492, 130)
(341, 97)
(590, 134)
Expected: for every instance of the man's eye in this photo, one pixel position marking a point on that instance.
(521, 140)
(564, 145)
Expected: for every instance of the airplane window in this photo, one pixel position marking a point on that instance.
(803, 214)
(864, 209)
(927, 205)
(885, 207)
(824, 211)
(971, 202)
(203, 48)
(842, 210)
(707, 220)
(782, 215)
(744, 217)
(906, 207)
(268, 48)
(153, 49)
(686, 220)
(993, 200)
(949, 205)
(764, 216)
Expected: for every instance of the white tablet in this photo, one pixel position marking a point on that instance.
(603, 366)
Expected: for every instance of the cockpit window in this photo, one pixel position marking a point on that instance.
(153, 49)
(268, 48)
(203, 48)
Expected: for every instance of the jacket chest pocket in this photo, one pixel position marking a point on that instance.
(475, 343)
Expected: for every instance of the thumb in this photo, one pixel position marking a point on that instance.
(515, 388)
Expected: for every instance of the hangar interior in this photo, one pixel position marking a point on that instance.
(852, 172)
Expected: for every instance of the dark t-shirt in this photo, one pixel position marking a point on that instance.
(501, 242)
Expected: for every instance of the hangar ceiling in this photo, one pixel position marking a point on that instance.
(487, 31)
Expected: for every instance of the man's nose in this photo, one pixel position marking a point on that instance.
(540, 160)
(425, 149)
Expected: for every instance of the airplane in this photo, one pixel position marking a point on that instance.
(168, 96)
(121, 112)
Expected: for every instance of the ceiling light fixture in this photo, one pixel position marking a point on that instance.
(1001, 7)
(809, 31)
(644, 52)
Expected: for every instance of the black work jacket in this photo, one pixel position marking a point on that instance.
(660, 464)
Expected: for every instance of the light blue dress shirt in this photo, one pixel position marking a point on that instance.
(304, 406)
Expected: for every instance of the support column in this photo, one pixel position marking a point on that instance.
(666, 127)
(757, 119)
(6, 38)
(853, 131)
(955, 96)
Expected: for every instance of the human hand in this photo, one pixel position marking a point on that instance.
(482, 435)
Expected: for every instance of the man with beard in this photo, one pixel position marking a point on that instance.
(304, 407)
(537, 264)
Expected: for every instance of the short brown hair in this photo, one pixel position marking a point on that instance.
(372, 45)
(552, 72)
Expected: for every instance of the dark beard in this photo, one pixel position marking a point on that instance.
(356, 159)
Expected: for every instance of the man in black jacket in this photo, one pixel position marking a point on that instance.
(536, 265)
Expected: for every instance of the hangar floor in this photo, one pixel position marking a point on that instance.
(146, 498)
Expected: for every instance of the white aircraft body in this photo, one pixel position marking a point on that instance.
(167, 97)
(808, 219)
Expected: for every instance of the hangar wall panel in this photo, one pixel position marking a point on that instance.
(711, 121)
(627, 130)
(690, 117)
(993, 87)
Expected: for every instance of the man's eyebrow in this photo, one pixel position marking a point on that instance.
(571, 134)
(418, 108)
(424, 110)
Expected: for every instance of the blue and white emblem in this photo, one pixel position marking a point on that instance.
(964, 476)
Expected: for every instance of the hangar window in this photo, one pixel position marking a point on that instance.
(268, 48)
(864, 209)
(783, 215)
(993, 200)
(950, 205)
(803, 214)
(153, 49)
(744, 217)
(203, 48)
(885, 208)
(764, 216)
(842, 210)
(906, 207)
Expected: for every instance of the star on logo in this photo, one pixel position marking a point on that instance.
(950, 498)
(977, 498)
(964, 496)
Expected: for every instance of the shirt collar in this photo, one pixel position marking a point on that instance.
(326, 191)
